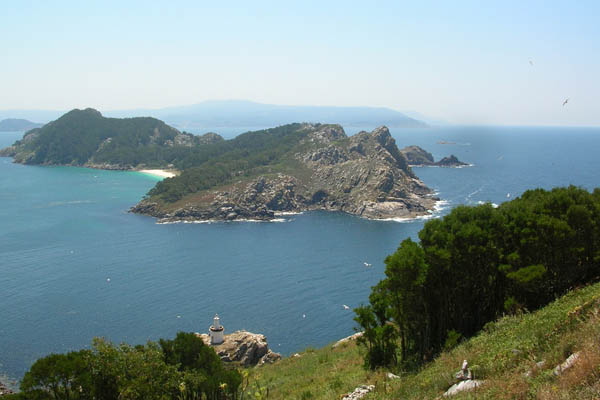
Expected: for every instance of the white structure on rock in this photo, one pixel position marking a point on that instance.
(216, 332)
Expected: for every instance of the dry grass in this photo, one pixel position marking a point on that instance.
(501, 354)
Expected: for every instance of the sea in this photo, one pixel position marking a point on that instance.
(75, 264)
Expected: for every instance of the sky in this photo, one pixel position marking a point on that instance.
(465, 62)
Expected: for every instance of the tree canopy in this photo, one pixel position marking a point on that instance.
(479, 262)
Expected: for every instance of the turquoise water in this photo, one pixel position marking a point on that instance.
(65, 232)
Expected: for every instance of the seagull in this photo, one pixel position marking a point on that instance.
(565, 102)
(465, 365)
(367, 264)
(507, 195)
(345, 307)
(108, 280)
(179, 316)
(303, 315)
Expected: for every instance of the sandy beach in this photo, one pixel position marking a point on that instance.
(159, 172)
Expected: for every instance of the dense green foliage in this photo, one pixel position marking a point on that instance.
(220, 163)
(477, 263)
(501, 354)
(85, 136)
(183, 369)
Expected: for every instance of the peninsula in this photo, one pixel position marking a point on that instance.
(295, 168)
(85, 138)
(255, 176)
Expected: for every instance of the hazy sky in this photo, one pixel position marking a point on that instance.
(461, 61)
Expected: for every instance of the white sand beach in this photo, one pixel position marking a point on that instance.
(158, 172)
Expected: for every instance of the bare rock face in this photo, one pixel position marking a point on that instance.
(466, 381)
(364, 175)
(359, 392)
(246, 348)
(418, 157)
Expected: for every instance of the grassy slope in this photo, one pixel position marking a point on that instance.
(500, 354)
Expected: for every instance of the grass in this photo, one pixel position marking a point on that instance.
(501, 354)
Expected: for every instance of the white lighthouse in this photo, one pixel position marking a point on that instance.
(216, 331)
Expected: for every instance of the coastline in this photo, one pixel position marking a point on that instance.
(159, 173)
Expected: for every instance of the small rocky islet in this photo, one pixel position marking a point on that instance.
(418, 157)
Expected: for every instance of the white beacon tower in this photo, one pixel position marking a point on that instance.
(216, 331)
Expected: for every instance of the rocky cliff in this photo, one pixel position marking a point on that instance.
(364, 175)
(418, 157)
(245, 348)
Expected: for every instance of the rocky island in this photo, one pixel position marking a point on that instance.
(255, 176)
(364, 175)
(418, 157)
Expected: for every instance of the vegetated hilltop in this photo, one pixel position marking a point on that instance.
(17, 125)
(294, 168)
(86, 138)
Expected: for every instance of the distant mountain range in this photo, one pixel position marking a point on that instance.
(16, 125)
(248, 114)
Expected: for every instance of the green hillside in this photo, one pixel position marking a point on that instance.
(86, 138)
(501, 354)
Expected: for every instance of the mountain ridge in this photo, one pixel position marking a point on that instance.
(247, 114)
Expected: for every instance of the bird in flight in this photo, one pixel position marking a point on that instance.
(565, 102)
(345, 307)
(367, 264)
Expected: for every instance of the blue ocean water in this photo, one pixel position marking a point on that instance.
(75, 264)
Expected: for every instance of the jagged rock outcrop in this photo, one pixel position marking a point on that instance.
(418, 157)
(4, 390)
(364, 175)
(246, 348)
(466, 381)
(347, 339)
(359, 392)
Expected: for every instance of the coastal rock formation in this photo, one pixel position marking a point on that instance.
(4, 390)
(364, 175)
(246, 348)
(418, 157)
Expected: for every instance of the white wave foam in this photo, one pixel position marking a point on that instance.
(218, 221)
(68, 203)
(284, 213)
(484, 202)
